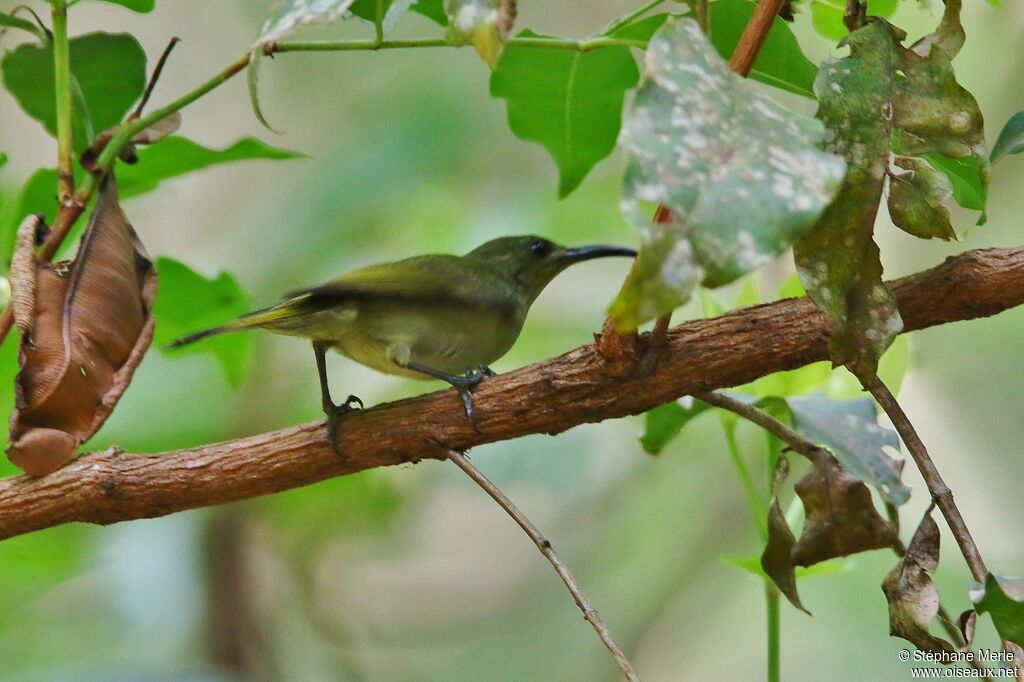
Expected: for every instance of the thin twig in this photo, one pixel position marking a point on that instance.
(754, 35)
(589, 613)
(700, 13)
(627, 18)
(855, 14)
(154, 78)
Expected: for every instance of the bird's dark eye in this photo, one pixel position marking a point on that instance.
(540, 247)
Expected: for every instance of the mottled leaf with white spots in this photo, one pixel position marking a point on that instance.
(741, 175)
(882, 99)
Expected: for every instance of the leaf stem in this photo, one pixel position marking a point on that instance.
(623, 20)
(774, 630)
(578, 45)
(757, 506)
(62, 88)
(754, 35)
(589, 613)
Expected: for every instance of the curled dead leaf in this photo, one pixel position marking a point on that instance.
(85, 326)
(913, 599)
(166, 126)
(841, 518)
(777, 560)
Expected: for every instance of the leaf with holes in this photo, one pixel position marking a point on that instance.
(84, 326)
(741, 176)
(189, 301)
(913, 599)
(570, 102)
(1003, 599)
(850, 430)
(882, 99)
(110, 72)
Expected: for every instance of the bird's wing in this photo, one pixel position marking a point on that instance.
(443, 280)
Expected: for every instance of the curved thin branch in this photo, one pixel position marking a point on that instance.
(582, 386)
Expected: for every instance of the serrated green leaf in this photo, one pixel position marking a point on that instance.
(177, 156)
(1003, 599)
(827, 15)
(1011, 138)
(431, 9)
(917, 194)
(569, 102)
(881, 99)
(663, 423)
(187, 302)
(850, 430)
(741, 175)
(780, 62)
(11, 21)
(109, 68)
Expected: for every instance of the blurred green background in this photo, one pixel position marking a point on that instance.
(412, 573)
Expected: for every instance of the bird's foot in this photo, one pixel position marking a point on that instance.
(465, 385)
(334, 413)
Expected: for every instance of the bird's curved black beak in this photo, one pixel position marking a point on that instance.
(582, 253)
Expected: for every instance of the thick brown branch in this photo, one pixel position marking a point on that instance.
(754, 35)
(577, 388)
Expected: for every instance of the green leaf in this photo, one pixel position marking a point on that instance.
(850, 430)
(1011, 138)
(569, 102)
(11, 21)
(967, 175)
(176, 156)
(751, 563)
(780, 62)
(142, 6)
(172, 157)
(390, 12)
(917, 194)
(109, 68)
(827, 15)
(880, 100)
(741, 175)
(188, 302)
(663, 423)
(431, 9)
(1003, 599)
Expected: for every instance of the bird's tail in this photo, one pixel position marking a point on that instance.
(257, 318)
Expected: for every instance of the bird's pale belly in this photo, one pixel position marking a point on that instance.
(450, 341)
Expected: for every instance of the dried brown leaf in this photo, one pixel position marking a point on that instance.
(84, 328)
(777, 560)
(841, 518)
(913, 599)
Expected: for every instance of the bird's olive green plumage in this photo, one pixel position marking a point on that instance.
(444, 313)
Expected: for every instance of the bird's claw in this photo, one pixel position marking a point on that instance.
(469, 381)
(334, 413)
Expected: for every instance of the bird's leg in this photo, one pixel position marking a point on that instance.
(331, 411)
(463, 383)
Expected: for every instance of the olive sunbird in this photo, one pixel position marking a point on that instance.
(437, 316)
